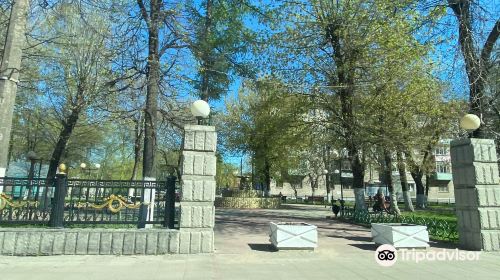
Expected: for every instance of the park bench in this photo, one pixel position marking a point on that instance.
(314, 199)
(282, 197)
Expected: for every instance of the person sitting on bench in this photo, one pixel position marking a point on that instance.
(379, 204)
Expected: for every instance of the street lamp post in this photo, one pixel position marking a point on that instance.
(329, 176)
(325, 172)
(339, 172)
(84, 167)
(340, 157)
(33, 158)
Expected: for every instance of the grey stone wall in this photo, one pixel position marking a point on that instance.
(196, 234)
(477, 193)
(46, 242)
(198, 189)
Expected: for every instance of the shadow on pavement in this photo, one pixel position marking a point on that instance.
(443, 245)
(353, 238)
(262, 247)
(366, 247)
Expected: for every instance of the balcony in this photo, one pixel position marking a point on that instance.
(439, 176)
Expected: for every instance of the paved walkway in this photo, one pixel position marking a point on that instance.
(242, 252)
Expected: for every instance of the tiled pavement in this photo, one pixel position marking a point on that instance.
(242, 252)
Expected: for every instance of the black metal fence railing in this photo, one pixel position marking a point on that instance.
(23, 200)
(87, 202)
(438, 228)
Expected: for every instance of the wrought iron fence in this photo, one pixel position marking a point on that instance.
(437, 228)
(24, 200)
(87, 202)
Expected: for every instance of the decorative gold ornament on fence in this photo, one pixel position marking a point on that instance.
(7, 200)
(115, 204)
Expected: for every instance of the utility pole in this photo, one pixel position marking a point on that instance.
(9, 75)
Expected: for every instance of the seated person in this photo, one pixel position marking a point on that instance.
(379, 204)
(335, 207)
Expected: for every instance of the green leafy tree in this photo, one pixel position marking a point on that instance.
(266, 121)
(219, 41)
(225, 174)
(337, 47)
(74, 70)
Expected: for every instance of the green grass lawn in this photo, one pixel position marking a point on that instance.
(449, 216)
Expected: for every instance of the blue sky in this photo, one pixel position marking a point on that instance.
(446, 56)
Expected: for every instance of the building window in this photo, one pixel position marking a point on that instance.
(411, 187)
(442, 167)
(443, 188)
(441, 151)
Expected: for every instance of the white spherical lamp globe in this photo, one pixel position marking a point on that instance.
(470, 122)
(325, 172)
(97, 165)
(32, 155)
(200, 108)
(335, 154)
(83, 165)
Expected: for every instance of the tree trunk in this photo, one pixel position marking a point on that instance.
(476, 63)
(390, 184)
(345, 76)
(358, 174)
(153, 89)
(267, 175)
(404, 182)
(138, 131)
(206, 64)
(427, 186)
(64, 135)
(417, 177)
(314, 184)
(328, 191)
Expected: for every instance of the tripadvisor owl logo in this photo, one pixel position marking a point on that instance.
(386, 255)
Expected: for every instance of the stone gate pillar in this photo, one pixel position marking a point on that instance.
(477, 193)
(198, 189)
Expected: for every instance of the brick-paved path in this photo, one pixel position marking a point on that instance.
(242, 252)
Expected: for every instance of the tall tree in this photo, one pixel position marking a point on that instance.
(163, 35)
(266, 121)
(78, 72)
(477, 59)
(388, 180)
(153, 20)
(219, 42)
(404, 181)
(337, 47)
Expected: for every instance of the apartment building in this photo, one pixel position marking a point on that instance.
(340, 181)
